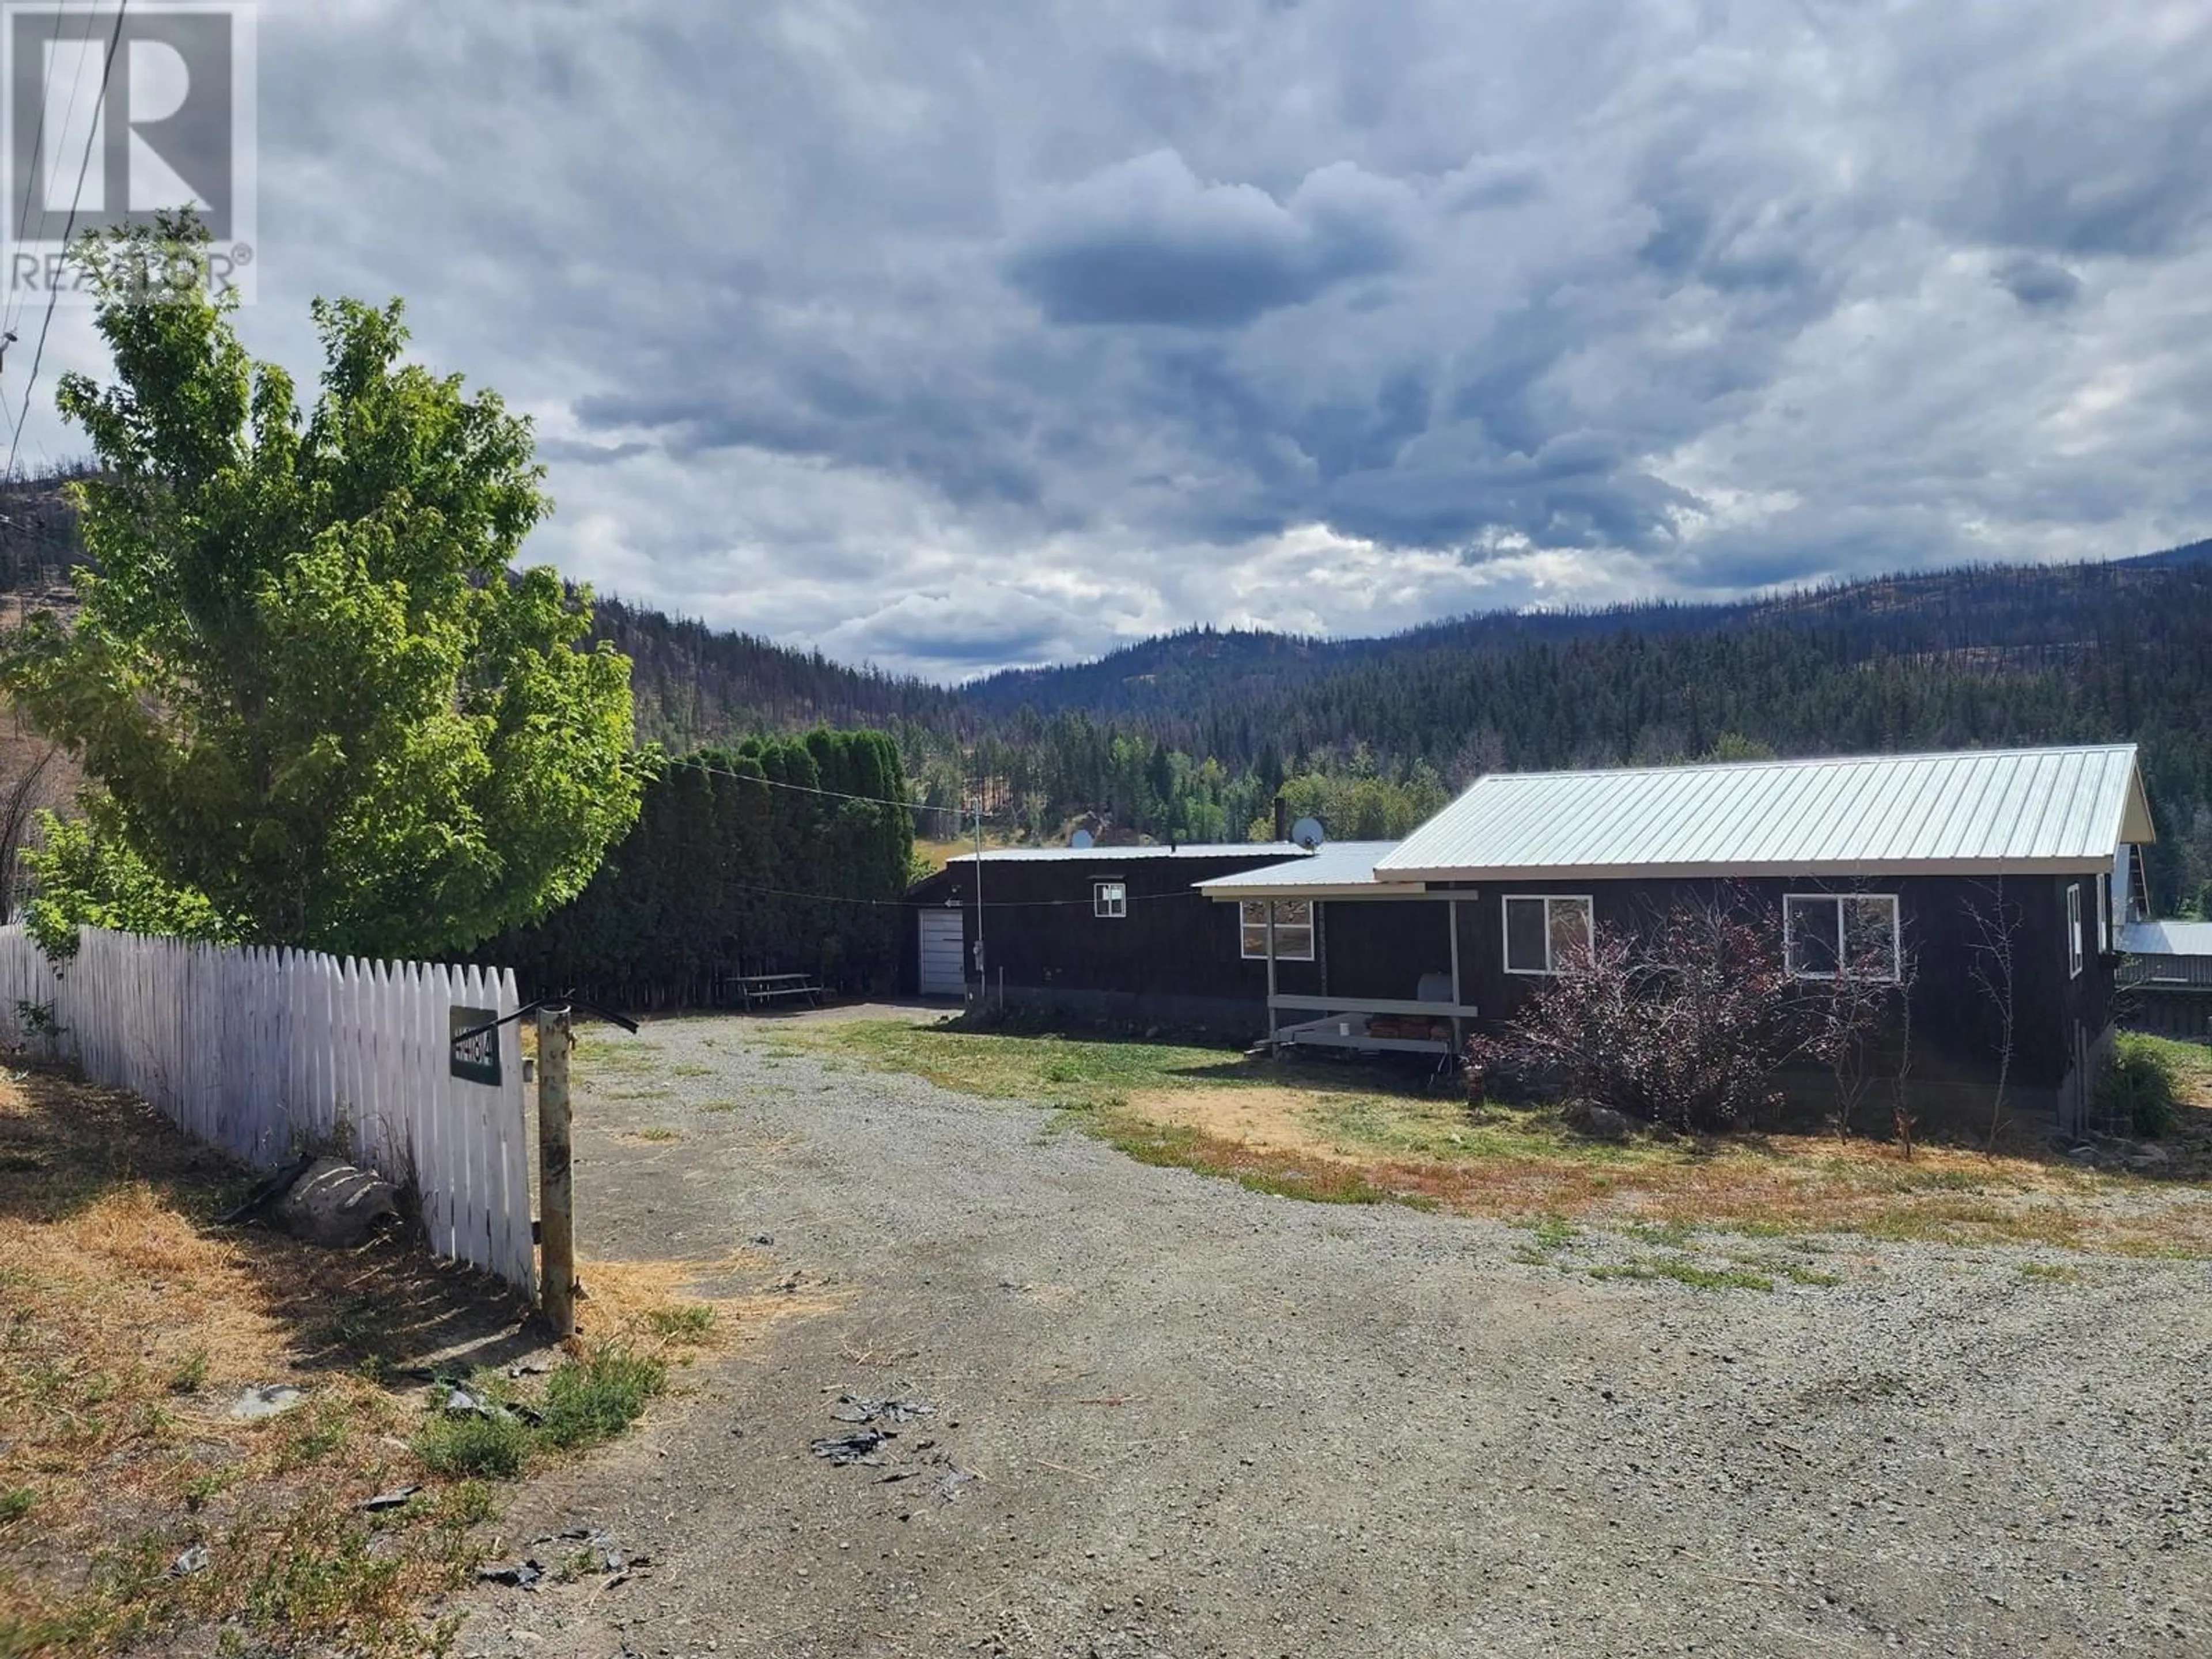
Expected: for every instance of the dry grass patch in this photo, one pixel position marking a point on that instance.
(130, 1327)
(1514, 1165)
(1345, 1134)
(697, 1306)
(134, 1508)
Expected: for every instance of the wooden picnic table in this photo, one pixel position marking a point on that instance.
(753, 988)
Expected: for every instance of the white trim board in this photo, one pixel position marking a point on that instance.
(1553, 875)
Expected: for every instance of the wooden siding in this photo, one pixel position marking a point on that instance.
(1176, 954)
(1381, 950)
(1175, 944)
(1176, 947)
(1954, 1032)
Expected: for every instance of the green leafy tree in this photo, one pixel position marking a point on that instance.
(88, 876)
(323, 709)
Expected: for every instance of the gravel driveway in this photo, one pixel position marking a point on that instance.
(1210, 1422)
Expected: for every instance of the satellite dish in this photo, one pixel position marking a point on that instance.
(1081, 841)
(1307, 833)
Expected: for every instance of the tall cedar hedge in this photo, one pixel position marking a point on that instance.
(737, 866)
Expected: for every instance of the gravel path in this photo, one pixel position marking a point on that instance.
(1211, 1422)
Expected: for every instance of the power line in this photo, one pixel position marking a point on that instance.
(834, 794)
(13, 310)
(69, 229)
(902, 904)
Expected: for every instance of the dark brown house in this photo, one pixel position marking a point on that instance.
(1108, 932)
(1894, 858)
(2165, 978)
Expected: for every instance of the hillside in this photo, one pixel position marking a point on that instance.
(1931, 609)
(1192, 734)
(1954, 658)
(696, 685)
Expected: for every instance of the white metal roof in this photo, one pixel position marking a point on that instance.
(2016, 809)
(2166, 938)
(1339, 867)
(1219, 849)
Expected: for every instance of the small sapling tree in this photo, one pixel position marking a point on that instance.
(1996, 920)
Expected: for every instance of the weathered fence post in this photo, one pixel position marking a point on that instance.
(555, 1187)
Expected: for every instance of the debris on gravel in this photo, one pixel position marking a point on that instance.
(849, 1409)
(859, 1447)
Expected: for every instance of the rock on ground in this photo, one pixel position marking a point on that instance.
(334, 1204)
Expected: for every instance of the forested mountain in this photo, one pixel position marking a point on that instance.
(696, 685)
(1193, 735)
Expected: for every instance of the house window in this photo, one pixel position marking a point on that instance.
(1294, 928)
(2073, 931)
(1110, 899)
(1546, 932)
(2104, 917)
(1825, 934)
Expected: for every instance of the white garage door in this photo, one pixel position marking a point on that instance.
(942, 974)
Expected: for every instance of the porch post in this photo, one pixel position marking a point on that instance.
(1271, 971)
(1459, 1036)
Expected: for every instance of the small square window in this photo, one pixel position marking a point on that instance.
(1546, 932)
(1294, 929)
(1825, 934)
(1109, 899)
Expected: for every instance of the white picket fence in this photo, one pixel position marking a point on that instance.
(268, 1053)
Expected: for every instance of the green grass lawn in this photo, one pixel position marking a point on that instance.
(1051, 1069)
(1351, 1134)
(2192, 1063)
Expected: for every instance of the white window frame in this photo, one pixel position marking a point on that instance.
(2074, 952)
(1551, 968)
(1247, 922)
(1839, 900)
(1109, 900)
(2103, 915)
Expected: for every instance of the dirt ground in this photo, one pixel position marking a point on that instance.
(1170, 1416)
(133, 1322)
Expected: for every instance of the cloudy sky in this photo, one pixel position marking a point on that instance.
(950, 334)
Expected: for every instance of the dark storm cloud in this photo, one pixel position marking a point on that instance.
(971, 631)
(2041, 283)
(974, 333)
(2123, 170)
(1146, 241)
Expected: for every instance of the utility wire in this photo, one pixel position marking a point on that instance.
(15, 312)
(834, 794)
(69, 229)
(988, 904)
(12, 313)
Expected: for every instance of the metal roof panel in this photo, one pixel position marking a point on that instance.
(2029, 807)
(1336, 864)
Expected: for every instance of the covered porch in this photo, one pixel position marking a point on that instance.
(1352, 963)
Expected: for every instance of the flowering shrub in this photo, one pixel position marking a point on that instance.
(1689, 1023)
